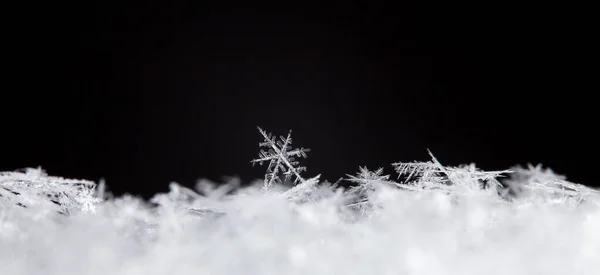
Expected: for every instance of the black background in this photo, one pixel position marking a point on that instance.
(143, 94)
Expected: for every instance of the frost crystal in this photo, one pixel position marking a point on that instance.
(425, 171)
(365, 176)
(433, 175)
(366, 180)
(305, 191)
(535, 182)
(34, 188)
(281, 159)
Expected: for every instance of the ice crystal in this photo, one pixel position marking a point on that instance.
(281, 158)
(433, 175)
(34, 188)
(535, 182)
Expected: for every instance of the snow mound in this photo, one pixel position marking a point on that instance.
(536, 225)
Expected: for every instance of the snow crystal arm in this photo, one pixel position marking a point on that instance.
(260, 161)
(298, 152)
(272, 170)
(416, 169)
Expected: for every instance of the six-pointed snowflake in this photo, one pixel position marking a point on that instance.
(281, 158)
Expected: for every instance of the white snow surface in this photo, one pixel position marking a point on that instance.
(458, 231)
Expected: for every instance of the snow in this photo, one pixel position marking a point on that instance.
(439, 220)
(410, 232)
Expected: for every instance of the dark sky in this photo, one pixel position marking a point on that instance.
(143, 94)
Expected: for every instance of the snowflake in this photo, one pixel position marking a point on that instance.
(366, 178)
(281, 159)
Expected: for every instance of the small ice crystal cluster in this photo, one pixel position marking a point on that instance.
(33, 188)
(427, 219)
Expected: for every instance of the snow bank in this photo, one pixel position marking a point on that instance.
(310, 230)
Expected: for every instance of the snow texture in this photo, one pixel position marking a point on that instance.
(33, 188)
(438, 220)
